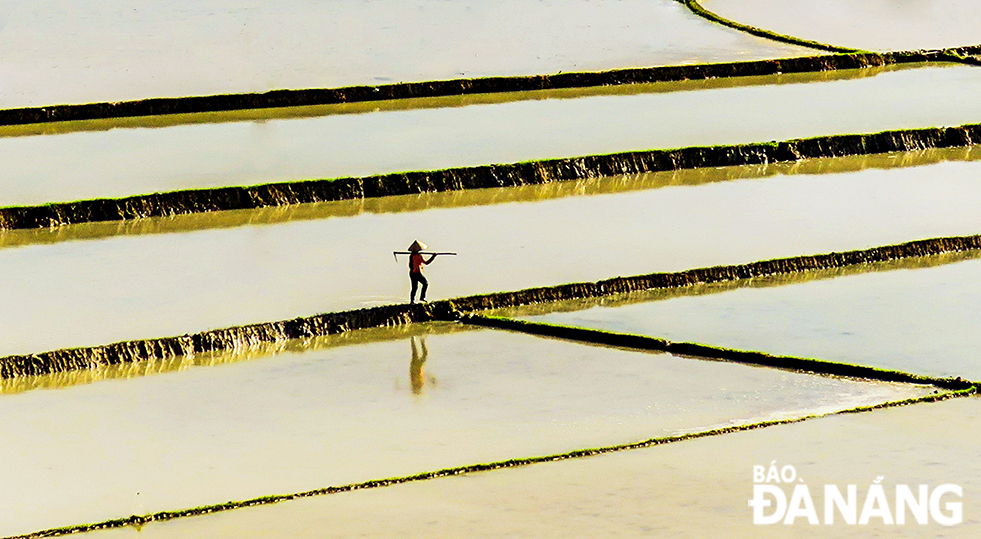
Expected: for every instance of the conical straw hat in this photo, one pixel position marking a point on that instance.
(418, 246)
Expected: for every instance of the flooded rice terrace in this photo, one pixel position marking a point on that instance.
(360, 412)
(85, 293)
(99, 160)
(99, 50)
(612, 495)
(436, 424)
(917, 317)
(873, 24)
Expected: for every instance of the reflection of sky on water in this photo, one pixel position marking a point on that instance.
(81, 51)
(145, 286)
(480, 197)
(693, 489)
(917, 320)
(122, 162)
(336, 415)
(306, 420)
(867, 24)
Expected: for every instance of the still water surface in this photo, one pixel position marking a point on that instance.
(85, 164)
(917, 320)
(84, 293)
(57, 51)
(431, 399)
(865, 24)
(689, 490)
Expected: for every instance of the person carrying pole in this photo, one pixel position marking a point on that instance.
(416, 262)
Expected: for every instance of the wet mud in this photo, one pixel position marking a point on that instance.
(259, 335)
(481, 177)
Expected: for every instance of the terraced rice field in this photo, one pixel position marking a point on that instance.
(103, 159)
(874, 25)
(694, 240)
(910, 318)
(98, 50)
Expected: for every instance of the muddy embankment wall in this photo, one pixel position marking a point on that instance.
(479, 177)
(242, 338)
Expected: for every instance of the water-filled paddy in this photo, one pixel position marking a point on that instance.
(85, 164)
(918, 320)
(481, 197)
(430, 399)
(692, 489)
(864, 24)
(83, 293)
(97, 50)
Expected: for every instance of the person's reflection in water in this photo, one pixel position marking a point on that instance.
(416, 375)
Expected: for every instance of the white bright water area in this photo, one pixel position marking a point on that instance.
(921, 320)
(86, 293)
(100, 50)
(865, 24)
(85, 164)
(694, 489)
(304, 420)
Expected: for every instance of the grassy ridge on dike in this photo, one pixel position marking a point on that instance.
(253, 336)
(695, 7)
(456, 87)
(163, 516)
(965, 55)
(481, 177)
(643, 342)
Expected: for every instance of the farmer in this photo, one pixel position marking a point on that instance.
(416, 262)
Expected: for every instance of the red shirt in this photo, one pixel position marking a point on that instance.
(416, 263)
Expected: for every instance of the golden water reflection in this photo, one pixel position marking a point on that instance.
(479, 197)
(316, 111)
(420, 353)
(692, 489)
(125, 371)
(789, 279)
(80, 51)
(304, 421)
(88, 293)
(127, 162)
(920, 318)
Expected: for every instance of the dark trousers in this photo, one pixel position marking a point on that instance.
(417, 278)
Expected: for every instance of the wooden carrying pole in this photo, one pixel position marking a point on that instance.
(397, 253)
